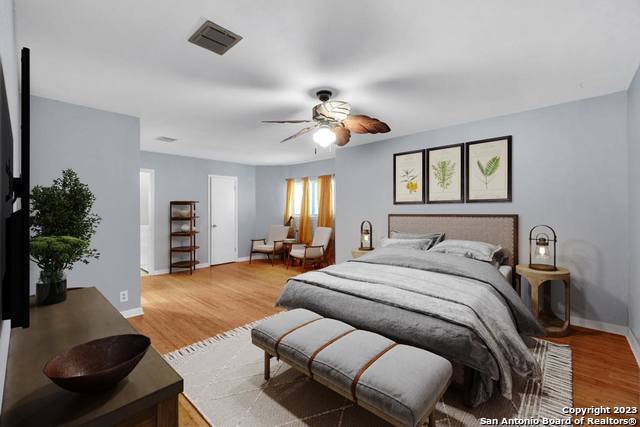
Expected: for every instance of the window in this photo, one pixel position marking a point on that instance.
(313, 187)
(297, 197)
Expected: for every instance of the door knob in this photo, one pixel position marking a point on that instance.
(213, 226)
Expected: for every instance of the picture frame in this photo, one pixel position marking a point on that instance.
(445, 174)
(489, 170)
(408, 177)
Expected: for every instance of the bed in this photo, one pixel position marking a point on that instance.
(462, 309)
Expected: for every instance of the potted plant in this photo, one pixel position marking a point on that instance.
(54, 255)
(62, 226)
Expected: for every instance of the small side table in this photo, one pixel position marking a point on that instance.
(286, 248)
(357, 253)
(554, 326)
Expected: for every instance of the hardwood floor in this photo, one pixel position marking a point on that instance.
(180, 309)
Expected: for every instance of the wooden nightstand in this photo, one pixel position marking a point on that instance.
(357, 253)
(554, 326)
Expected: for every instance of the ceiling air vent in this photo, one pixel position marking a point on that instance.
(165, 139)
(214, 38)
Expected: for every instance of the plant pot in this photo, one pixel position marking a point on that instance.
(51, 288)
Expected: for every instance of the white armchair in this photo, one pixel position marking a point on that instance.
(315, 252)
(272, 245)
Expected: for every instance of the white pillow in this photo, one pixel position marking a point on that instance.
(435, 237)
(468, 248)
(420, 244)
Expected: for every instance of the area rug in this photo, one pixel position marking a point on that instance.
(223, 379)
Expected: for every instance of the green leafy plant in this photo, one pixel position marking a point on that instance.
(489, 168)
(54, 254)
(443, 171)
(64, 209)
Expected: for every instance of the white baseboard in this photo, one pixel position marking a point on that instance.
(634, 344)
(242, 259)
(599, 326)
(132, 313)
(166, 270)
(613, 329)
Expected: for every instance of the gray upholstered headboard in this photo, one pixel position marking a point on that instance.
(497, 229)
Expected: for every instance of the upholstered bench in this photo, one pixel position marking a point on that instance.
(399, 383)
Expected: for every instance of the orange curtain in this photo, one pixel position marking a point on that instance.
(288, 206)
(304, 229)
(325, 201)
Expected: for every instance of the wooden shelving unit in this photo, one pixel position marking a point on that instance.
(182, 242)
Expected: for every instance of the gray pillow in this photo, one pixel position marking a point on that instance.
(469, 248)
(435, 237)
(420, 244)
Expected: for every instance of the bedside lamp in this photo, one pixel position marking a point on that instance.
(540, 248)
(366, 236)
(292, 227)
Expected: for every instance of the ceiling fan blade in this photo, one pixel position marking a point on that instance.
(365, 124)
(331, 111)
(287, 121)
(299, 133)
(342, 135)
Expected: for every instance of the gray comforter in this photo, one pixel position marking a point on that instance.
(457, 307)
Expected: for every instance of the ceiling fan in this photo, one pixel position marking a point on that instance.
(333, 122)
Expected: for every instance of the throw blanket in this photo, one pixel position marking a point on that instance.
(451, 296)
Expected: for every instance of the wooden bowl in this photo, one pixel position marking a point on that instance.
(97, 365)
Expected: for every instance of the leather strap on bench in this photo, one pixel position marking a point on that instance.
(322, 347)
(354, 383)
(288, 332)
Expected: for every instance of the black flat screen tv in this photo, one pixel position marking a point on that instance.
(14, 204)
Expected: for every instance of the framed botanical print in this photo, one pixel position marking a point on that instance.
(489, 170)
(408, 177)
(445, 174)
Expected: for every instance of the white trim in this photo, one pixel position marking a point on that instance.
(599, 326)
(152, 215)
(634, 344)
(5, 336)
(242, 259)
(237, 196)
(166, 270)
(132, 312)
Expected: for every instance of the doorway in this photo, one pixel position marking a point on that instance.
(147, 183)
(223, 219)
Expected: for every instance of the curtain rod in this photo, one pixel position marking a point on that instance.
(312, 176)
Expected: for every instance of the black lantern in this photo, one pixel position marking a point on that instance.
(366, 236)
(541, 252)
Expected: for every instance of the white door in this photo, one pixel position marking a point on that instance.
(223, 219)
(146, 220)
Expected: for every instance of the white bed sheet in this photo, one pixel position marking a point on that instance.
(505, 270)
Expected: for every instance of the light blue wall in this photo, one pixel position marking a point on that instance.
(271, 189)
(187, 178)
(633, 98)
(570, 170)
(103, 148)
(9, 58)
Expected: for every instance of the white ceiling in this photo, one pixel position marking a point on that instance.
(415, 64)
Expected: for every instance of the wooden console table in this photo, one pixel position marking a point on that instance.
(147, 397)
(554, 326)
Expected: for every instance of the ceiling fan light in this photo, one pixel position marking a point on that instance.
(324, 137)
